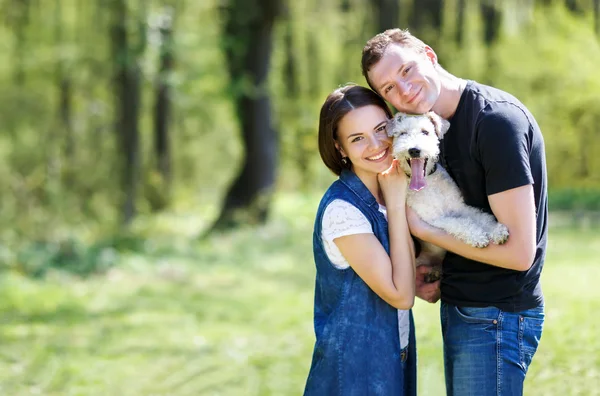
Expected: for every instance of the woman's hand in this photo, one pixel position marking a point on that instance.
(393, 183)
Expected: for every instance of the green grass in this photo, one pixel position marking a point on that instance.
(232, 315)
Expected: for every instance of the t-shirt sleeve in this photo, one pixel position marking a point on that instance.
(504, 144)
(341, 219)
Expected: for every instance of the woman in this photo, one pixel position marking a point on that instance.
(365, 283)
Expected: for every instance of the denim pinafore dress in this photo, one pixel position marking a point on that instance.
(357, 349)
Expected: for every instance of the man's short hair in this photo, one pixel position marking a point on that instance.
(376, 47)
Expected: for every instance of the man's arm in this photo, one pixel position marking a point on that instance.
(515, 208)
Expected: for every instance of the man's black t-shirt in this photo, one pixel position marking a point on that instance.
(494, 144)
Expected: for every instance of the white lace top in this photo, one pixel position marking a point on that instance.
(342, 219)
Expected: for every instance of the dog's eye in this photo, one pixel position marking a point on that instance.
(425, 132)
(403, 133)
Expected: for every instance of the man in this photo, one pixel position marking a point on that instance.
(492, 305)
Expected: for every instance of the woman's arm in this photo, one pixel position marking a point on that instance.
(391, 277)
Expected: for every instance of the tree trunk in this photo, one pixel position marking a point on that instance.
(65, 91)
(289, 67)
(247, 41)
(597, 17)
(387, 14)
(66, 106)
(492, 19)
(294, 98)
(345, 5)
(574, 7)
(427, 14)
(162, 108)
(127, 105)
(20, 24)
(460, 22)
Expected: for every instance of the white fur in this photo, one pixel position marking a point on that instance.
(440, 202)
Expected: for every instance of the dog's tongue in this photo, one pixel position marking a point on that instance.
(417, 178)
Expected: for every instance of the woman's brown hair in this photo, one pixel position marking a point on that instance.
(339, 103)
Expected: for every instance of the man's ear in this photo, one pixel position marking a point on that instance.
(440, 125)
(431, 55)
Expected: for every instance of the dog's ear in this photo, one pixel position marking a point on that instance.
(391, 127)
(441, 125)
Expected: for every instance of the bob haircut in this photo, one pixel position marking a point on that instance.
(339, 103)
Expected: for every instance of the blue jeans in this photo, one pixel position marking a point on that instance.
(486, 350)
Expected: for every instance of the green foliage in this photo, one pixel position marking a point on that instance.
(70, 256)
(577, 199)
(56, 175)
(554, 72)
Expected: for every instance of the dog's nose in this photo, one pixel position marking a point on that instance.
(414, 152)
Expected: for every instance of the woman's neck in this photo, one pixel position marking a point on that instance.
(370, 181)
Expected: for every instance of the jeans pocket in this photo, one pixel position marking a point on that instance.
(487, 315)
(530, 333)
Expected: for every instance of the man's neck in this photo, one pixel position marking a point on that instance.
(451, 90)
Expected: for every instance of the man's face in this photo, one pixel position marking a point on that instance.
(407, 79)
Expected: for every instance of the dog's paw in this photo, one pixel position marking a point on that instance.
(479, 241)
(434, 275)
(500, 234)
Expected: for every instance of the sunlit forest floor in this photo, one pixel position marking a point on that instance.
(232, 315)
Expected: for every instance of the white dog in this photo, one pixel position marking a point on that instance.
(432, 193)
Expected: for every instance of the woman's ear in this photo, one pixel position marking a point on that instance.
(340, 149)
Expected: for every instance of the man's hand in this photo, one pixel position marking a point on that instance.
(429, 292)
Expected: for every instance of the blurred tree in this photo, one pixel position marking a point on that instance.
(597, 17)
(345, 5)
(162, 105)
(460, 22)
(17, 17)
(127, 76)
(247, 42)
(387, 14)
(291, 116)
(575, 7)
(426, 20)
(70, 141)
(491, 18)
(64, 83)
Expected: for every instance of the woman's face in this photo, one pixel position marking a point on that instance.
(363, 139)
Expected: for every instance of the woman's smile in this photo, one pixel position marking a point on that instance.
(380, 156)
